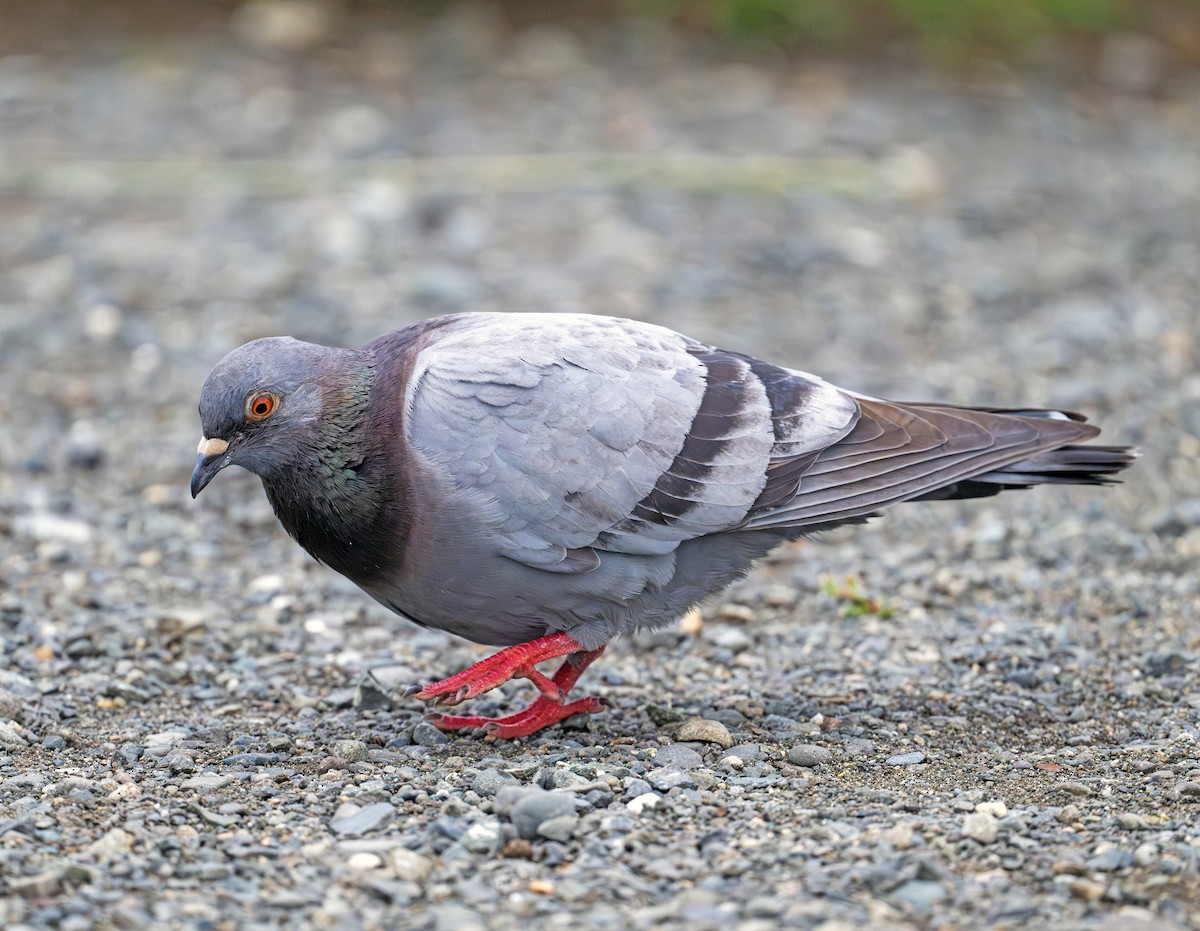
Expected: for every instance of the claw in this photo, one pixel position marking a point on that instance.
(542, 713)
(519, 661)
(412, 690)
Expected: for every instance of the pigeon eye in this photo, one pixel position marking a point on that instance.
(261, 406)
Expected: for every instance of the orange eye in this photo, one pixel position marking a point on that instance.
(261, 406)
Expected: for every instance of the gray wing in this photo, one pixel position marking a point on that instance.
(578, 433)
(903, 452)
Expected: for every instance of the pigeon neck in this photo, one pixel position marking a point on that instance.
(329, 499)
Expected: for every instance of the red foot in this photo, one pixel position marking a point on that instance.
(542, 713)
(517, 661)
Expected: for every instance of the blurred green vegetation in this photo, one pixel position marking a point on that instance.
(952, 32)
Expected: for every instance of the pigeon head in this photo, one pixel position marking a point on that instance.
(278, 405)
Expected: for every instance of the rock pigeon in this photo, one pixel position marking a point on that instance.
(546, 482)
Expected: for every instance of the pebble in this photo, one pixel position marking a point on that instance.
(900, 836)
(355, 822)
(54, 881)
(1131, 821)
(980, 826)
(1109, 860)
(488, 782)
(352, 751)
(206, 782)
(409, 865)
(560, 828)
(667, 778)
(484, 836)
(362, 862)
(809, 755)
(635, 787)
(702, 730)
(426, 735)
(1068, 814)
(906, 759)
(537, 807)
(677, 756)
(920, 894)
(641, 803)
(1087, 890)
(110, 845)
(368, 696)
(733, 639)
(747, 753)
(12, 735)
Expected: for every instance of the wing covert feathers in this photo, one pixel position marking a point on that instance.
(583, 434)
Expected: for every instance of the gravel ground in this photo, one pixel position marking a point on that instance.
(198, 725)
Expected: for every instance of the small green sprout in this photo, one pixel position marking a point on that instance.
(856, 603)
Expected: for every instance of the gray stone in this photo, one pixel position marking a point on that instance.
(426, 735)
(855, 747)
(809, 755)
(482, 837)
(635, 787)
(507, 797)
(780, 725)
(906, 759)
(980, 826)
(1110, 860)
(668, 777)
(560, 828)
(919, 894)
(559, 777)
(206, 782)
(678, 757)
(1068, 814)
(453, 916)
(747, 753)
(364, 820)
(368, 696)
(352, 751)
(539, 806)
(49, 883)
(408, 865)
(1187, 789)
(488, 782)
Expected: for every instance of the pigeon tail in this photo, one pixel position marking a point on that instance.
(1074, 464)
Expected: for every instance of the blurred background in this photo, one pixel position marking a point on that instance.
(915, 196)
(990, 201)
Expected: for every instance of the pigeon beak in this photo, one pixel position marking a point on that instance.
(209, 462)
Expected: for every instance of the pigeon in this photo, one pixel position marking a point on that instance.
(547, 482)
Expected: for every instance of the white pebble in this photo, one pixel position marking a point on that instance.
(362, 862)
(640, 803)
